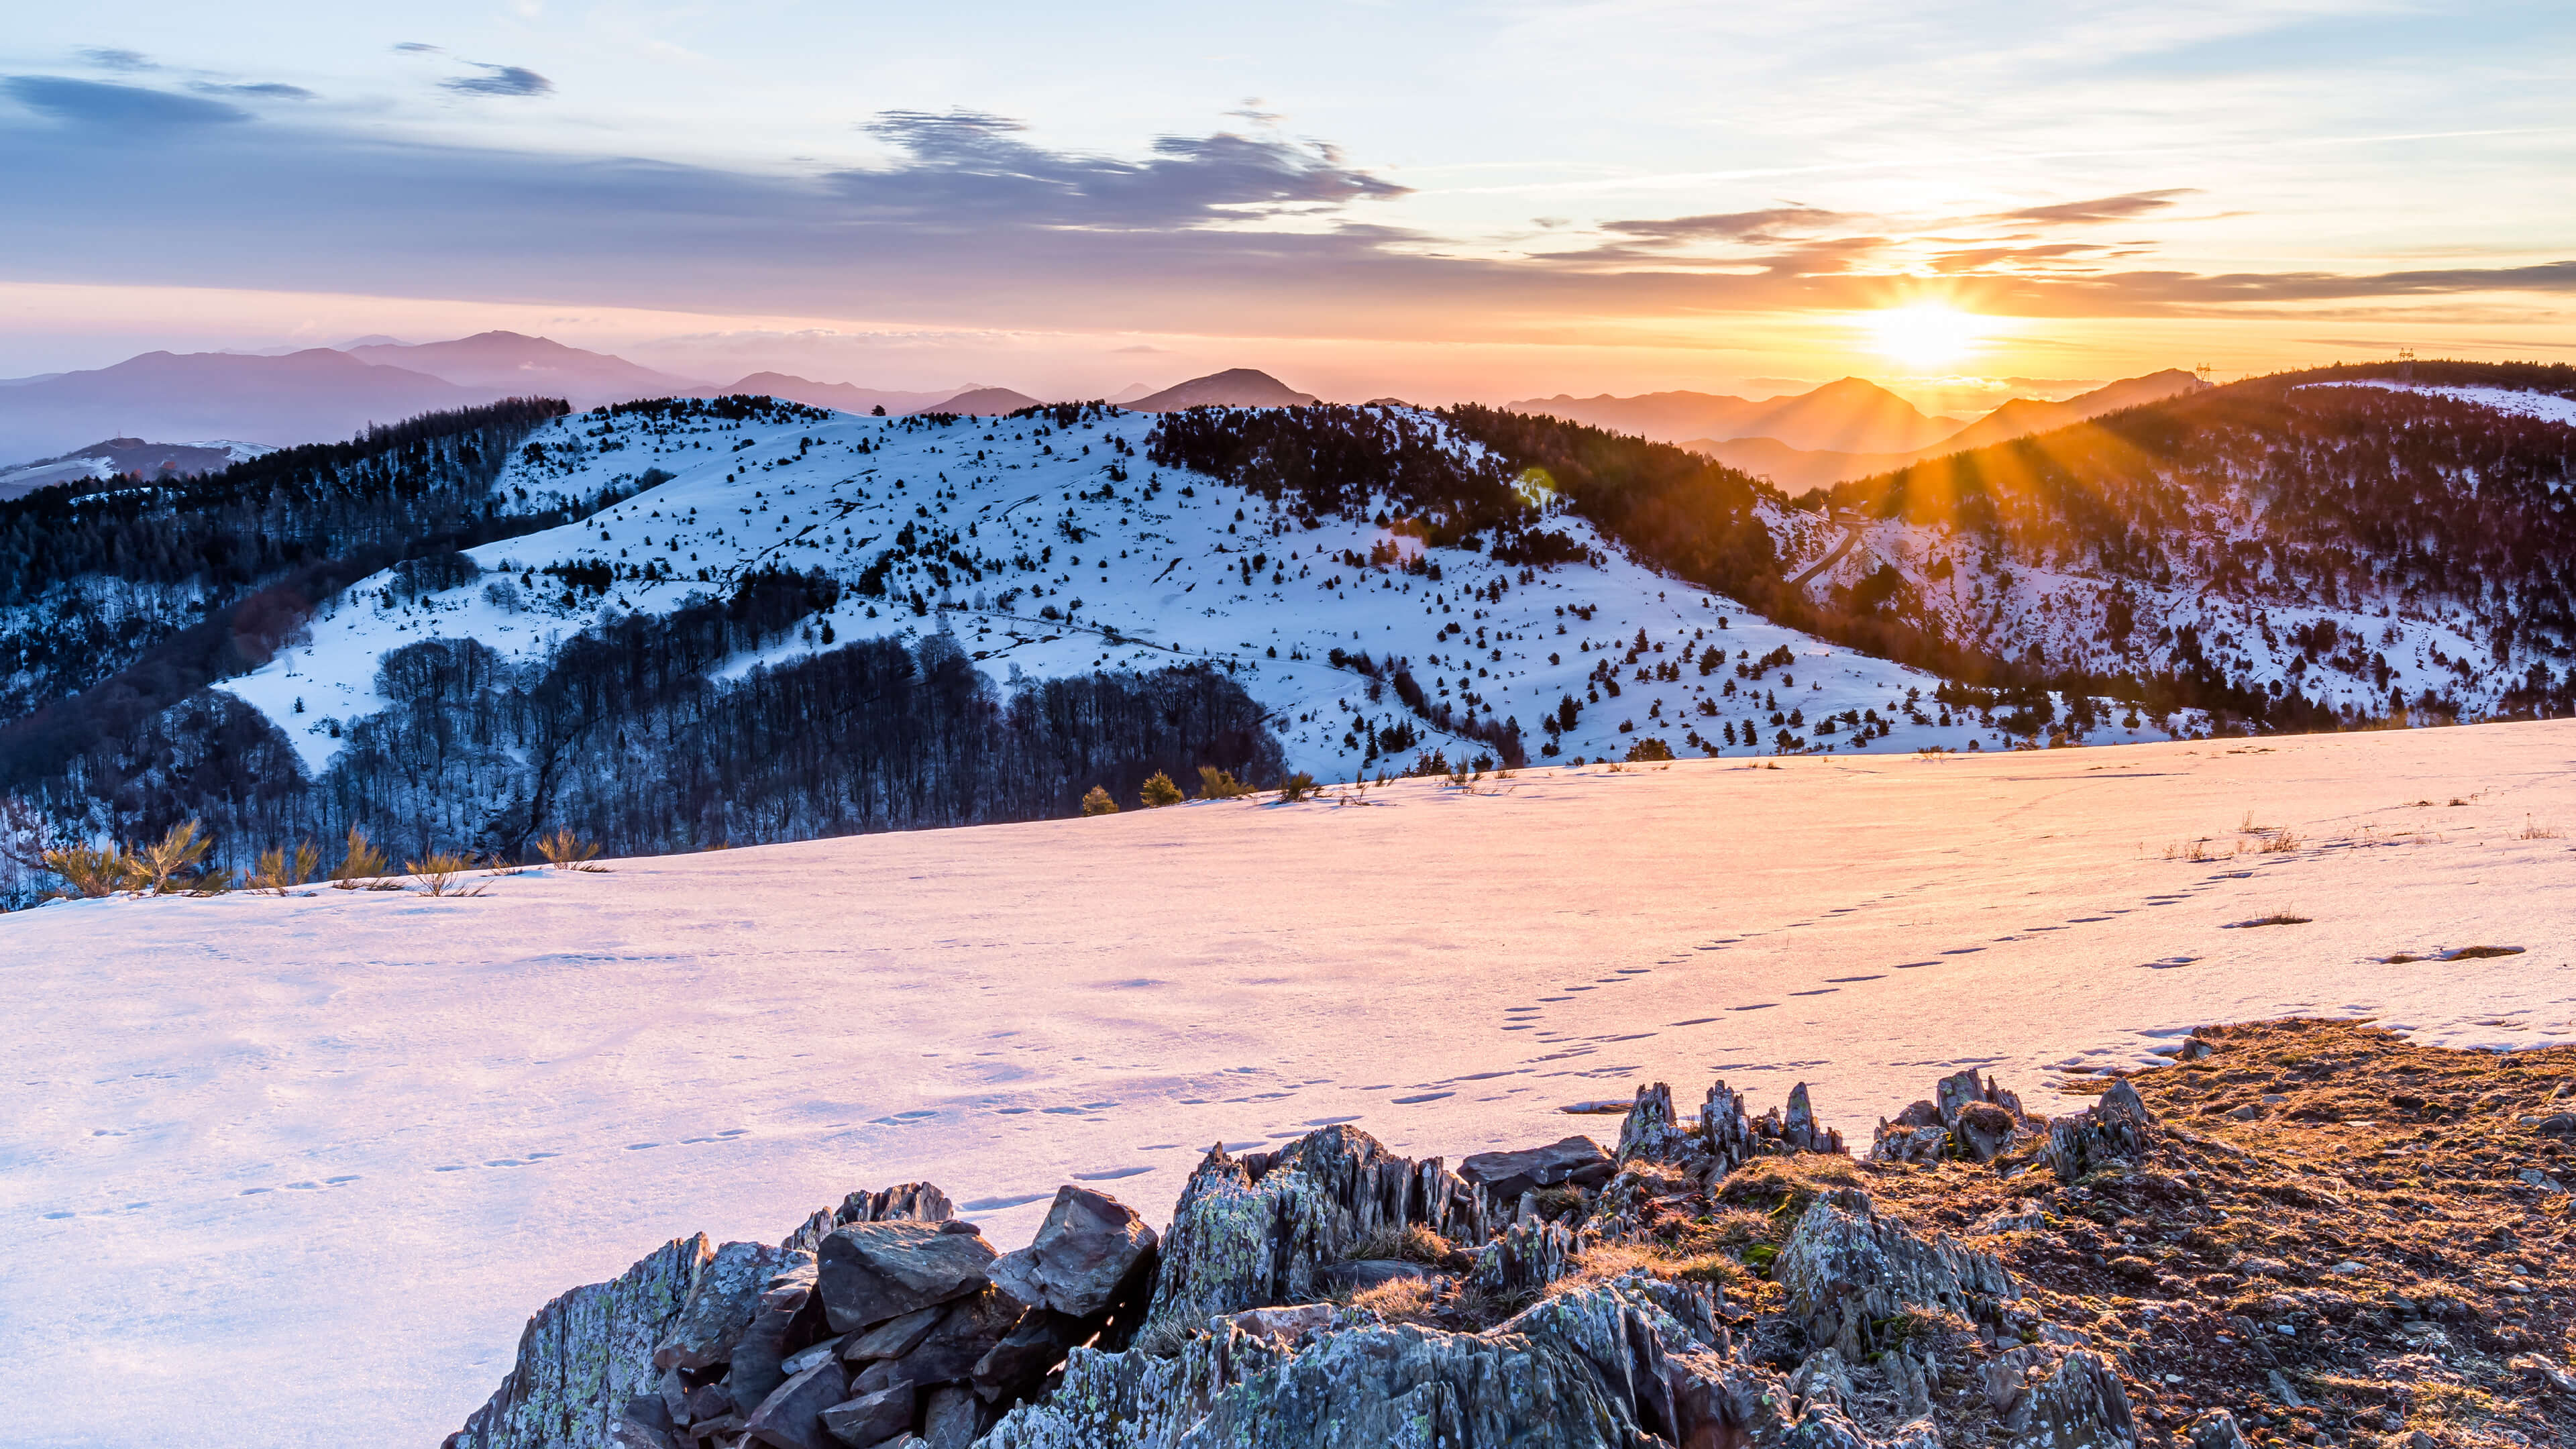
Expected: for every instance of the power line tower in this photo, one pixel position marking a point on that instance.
(2406, 364)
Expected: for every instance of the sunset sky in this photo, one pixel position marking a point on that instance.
(1433, 201)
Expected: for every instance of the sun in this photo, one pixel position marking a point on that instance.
(1926, 334)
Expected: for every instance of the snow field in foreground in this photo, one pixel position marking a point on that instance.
(294, 1172)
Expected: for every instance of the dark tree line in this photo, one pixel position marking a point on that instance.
(624, 737)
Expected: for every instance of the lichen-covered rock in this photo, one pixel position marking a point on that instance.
(587, 1355)
(2215, 1429)
(1650, 1132)
(2077, 1404)
(1526, 1258)
(2115, 1129)
(719, 1312)
(1850, 1273)
(870, 1272)
(1259, 1230)
(1604, 1368)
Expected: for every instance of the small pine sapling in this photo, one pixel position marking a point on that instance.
(1159, 791)
(1216, 784)
(1098, 802)
(280, 869)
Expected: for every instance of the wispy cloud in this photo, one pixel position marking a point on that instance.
(500, 80)
(96, 104)
(264, 90)
(2127, 207)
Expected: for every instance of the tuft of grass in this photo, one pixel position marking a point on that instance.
(2277, 918)
(281, 870)
(360, 864)
(2532, 830)
(1296, 787)
(170, 863)
(1216, 784)
(2281, 842)
(1406, 1300)
(92, 871)
(566, 851)
(438, 871)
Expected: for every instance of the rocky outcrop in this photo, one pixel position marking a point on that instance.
(2116, 1130)
(1335, 1293)
(1966, 1118)
(587, 1355)
(1609, 1367)
(1851, 1275)
(1260, 1229)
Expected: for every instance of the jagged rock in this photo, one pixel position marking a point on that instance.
(872, 1419)
(788, 1315)
(954, 1418)
(721, 1309)
(1824, 1378)
(1726, 1128)
(587, 1355)
(1594, 1369)
(1506, 1175)
(1983, 1131)
(1895, 1142)
(1259, 1230)
(2080, 1405)
(1526, 1258)
(1086, 1258)
(1799, 1130)
(970, 1328)
(2115, 1129)
(1650, 1132)
(870, 1272)
(895, 1337)
(1026, 1354)
(2215, 1429)
(791, 1417)
(1283, 1323)
(1850, 1272)
(911, 1202)
(646, 1424)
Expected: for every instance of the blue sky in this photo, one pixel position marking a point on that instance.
(1458, 200)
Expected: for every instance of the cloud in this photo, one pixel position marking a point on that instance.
(91, 103)
(109, 58)
(2128, 206)
(1142, 348)
(968, 168)
(418, 47)
(970, 221)
(265, 90)
(500, 80)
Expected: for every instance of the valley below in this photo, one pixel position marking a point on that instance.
(295, 1171)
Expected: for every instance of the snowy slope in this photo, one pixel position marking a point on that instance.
(2345, 652)
(292, 1172)
(1058, 550)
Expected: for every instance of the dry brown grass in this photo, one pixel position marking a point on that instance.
(566, 851)
(438, 873)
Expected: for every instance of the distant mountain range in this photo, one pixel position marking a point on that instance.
(319, 394)
(119, 456)
(1847, 429)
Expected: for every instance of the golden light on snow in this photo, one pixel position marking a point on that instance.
(1927, 334)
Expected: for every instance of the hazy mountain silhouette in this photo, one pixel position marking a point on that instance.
(982, 402)
(1236, 387)
(511, 364)
(843, 396)
(1797, 468)
(303, 397)
(1852, 415)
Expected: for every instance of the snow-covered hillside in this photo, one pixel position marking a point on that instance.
(2208, 567)
(293, 1172)
(1048, 546)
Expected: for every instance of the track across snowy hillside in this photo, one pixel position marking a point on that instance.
(1048, 546)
